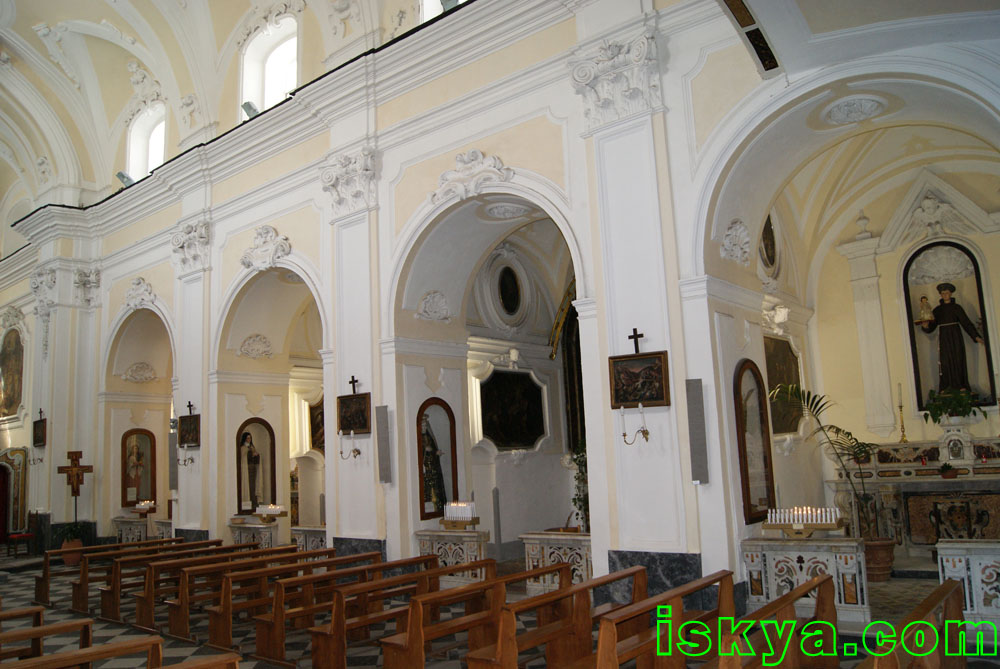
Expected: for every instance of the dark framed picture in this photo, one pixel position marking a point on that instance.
(513, 414)
(317, 439)
(38, 433)
(189, 431)
(354, 413)
(639, 378)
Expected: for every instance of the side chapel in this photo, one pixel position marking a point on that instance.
(349, 263)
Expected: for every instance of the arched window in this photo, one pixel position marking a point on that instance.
(146, 140)
(270, 65)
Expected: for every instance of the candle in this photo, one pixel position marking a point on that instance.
(899, 386)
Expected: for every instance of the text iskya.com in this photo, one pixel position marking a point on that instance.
(817, 638)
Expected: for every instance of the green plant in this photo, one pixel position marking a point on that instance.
(581, 494)
(945, 468)
(70, 531)
(958, 403)
(845, 446)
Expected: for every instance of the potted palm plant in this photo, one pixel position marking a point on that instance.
(71, 535)
(848, 451)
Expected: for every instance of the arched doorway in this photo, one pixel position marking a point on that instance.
(482, 300)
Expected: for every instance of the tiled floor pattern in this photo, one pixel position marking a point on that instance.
(889, 600)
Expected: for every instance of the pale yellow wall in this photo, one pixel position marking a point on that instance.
(261, 172)
(161, 220)
(533, 49)
(536, 144)
(725, 79)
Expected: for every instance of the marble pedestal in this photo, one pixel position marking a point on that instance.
(309, 538)
(164, 529)
(265, 534)
(454, 547)
(544, 548)
(129, 528)
(976, 563)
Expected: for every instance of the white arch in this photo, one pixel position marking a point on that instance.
(294, 262)
(964, 74)
(525, 184)
(158, 307)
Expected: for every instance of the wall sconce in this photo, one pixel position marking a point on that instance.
(643, 430)
(36, 461)
(185, 461)
(355, 451)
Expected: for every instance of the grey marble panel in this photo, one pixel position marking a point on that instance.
(741, 592)
(42, 530)
(351, 546)
(663, 571)
(191, 535)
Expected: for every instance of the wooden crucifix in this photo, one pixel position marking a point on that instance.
(635, 337)
(354, 385)
(74, 471)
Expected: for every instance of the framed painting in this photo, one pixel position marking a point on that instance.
(782, 367)
(11, 370)
(754, 440)
(317, 438)
(639, 378)
(354, 413)
(512, 410)
(138, 467)
(38, 433)
(189, 431)
(255, 464)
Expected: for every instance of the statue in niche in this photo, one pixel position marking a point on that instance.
(253, 468)
(951, 318)
(11, 368)
(255, 465)
(434, 490)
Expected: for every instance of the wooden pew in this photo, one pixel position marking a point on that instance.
(36, 613)
(941, 606)
(151, 646)
(483, 601)
(105, 560)
(37, 633)
(625, 634)
(161, 578)
(255, 593)
(202, 584)
(127, 572)
(780, 610)
(565, 622)
(43, 582)
(356, 607)
(299, 599)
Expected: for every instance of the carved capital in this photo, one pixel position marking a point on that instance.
(472, 172)
(268, 247)
(190, 246)
(43, 287)
(350, 181)
(140, 294)
(11, 317)
(87, 283)
(618, 79)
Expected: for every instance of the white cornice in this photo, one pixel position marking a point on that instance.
(444, 349)
(249, 378)
(134, 398)
(710, 287)
(18, 266)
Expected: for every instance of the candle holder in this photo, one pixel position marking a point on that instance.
(902, 426)
(144, 508)
(269, 513)
(803, 530)
(643, 430)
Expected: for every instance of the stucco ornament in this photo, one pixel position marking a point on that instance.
(267, 249)
(139, 372)
(139, 295)
(190, 245)
(939, 264)
(52, 39)
(265, 14)
(773, 320)
(44, 168)
(146, 90)
(255, 346)
(350, 181)
(472, 172)
(506, 211)
(854, 109)
(43, 287)
(11, 317)
(934, 215)
(736, 243)
(87, 283)
(618, 79)
(342, 13)
(434, 307)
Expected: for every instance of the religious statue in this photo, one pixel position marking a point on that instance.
(926, 313)
(434, 490)
(134, 466)
(253, 466)
(951, 318)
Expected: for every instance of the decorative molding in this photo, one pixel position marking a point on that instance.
(472, 172)
(773, 319)
(434, 307)
(933, 214)
(618, 79)
(189, 111)
(44, 168)
(52, 39)
(736, 243)
(267, 14)
(399, 23)
(506, 211)
(255, 346)
(350, 181)
(139, 295)
(119, 36)
(11, 317)
(43, 287)
(940, 263)
(147, 90)
(340, 11)
(191, 245)
(267, 249)
(139, 372)
(854, 109)
(87, 283)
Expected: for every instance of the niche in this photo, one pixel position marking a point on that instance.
(437, 457)
(255, 479)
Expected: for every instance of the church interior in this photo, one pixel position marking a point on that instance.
(600, 301)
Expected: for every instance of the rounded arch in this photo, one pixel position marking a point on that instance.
(302, 268)
(422, 449)
(776, 118)
(525, 184)
(159, 309)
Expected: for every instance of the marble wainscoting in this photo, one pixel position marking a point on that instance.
(351, 546)
(191, 535)
(43, 533)
(665, 571)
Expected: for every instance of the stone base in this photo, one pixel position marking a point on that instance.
(190, 535)
(351, 546)
(663, 571)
